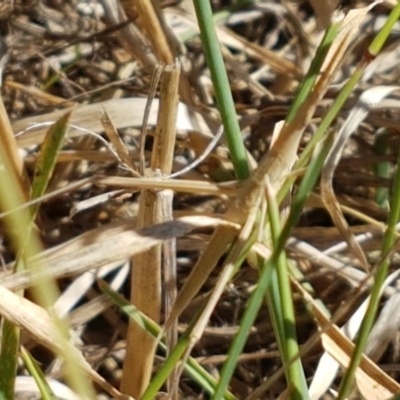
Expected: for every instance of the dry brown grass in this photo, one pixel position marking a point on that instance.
(63, 56)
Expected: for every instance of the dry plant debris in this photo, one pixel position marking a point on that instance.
(96, 59)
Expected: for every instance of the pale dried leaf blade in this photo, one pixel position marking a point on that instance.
(338, 350)
(181, 185)
(373, 383)
(107, 245)
(94, 201)
(271, 58)
(350, 28)
(385, 329)
(328, 367)
(366, 101)
(37, 322)
(87, 117)
(283, 152)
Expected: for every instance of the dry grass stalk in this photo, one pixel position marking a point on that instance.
(252, 74)
(162, 159)
(154, 208)
(150, 23)
(165, 45)
(40, 94)
(182, 185)
(276, 62)
(130, 36)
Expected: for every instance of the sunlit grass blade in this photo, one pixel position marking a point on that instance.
(207, 382)
(37, 374)
(44, 169)
(19, 227)
(223, 93)
(16, 225)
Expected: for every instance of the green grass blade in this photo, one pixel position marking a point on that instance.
(48, 155)
(246, 324)
(44, 169)
(219, 17)
(372, 52)
(380, 276)
(307, 83)
(37, 374)
(15, 227)
(323, 127)
(8, 360)
(285, 311)
(27, 244)
(381, 37)
(207, 382)
(223, 93)
(388, 239)
(173, 359)
(46, 292)
(268, 269)
(268, 276)
(382, 169)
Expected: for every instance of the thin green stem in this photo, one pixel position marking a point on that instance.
(207, 382)
(223, 93)
(325, 123)
(388, 239)
(380, 39)
(382, 169)
(40, 379)
(266, 273)
(380, 276)
(312, 74)
(284, 311)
